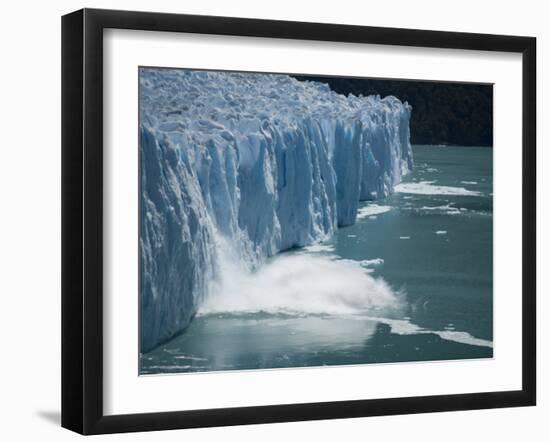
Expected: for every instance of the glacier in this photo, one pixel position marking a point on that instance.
(236, 167)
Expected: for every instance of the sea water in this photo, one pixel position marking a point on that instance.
(411, 280)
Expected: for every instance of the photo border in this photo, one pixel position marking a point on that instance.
(82, 220)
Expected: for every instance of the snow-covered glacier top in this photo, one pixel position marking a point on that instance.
(235, 167)
(222, 105)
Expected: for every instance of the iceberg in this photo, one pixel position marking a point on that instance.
(240, 166)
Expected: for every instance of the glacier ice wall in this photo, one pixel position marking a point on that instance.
(248, 165)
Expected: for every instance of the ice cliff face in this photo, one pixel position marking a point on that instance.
(249, 165)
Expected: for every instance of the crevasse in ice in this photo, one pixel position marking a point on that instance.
(253, 164)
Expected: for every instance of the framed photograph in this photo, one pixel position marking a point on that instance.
(269, 221)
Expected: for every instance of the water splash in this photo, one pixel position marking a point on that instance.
(301, 284)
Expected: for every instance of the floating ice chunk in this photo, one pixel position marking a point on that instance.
(428, 188)
(320, 248)
(437, 208)
(372, 262)
(440, 232)
(187, 357)
(404, 327)
(404, 238)
(464, 337)
(372, 209)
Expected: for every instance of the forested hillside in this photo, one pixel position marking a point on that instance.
(443, 113)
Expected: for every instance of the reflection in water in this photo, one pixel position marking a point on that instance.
(258, 341)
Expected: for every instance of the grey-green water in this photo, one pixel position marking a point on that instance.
(431, 242)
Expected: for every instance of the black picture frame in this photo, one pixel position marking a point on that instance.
(82, 220)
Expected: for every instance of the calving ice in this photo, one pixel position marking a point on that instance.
(236, 167)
